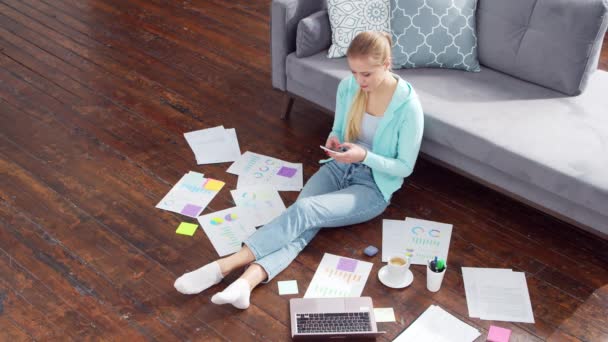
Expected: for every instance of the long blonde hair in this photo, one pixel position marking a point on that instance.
(377, 47)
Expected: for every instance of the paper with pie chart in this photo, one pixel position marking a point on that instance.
(422, 240)
(227, 229)
(191, 195)
(257, 169)
(263, 202)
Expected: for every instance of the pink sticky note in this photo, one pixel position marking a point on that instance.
(498, 334)
(348, 265)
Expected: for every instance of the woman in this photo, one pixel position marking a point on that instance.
(378, 129)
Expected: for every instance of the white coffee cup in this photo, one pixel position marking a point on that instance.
(397, 267)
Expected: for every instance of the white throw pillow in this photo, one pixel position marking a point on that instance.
(350, 17)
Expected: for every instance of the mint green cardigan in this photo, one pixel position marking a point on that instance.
(398, 136)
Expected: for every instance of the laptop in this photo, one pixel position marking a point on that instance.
(332, 318)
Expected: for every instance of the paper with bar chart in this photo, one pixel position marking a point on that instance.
(227, 229)
(338, 276)
(420, 239)
(191, 194)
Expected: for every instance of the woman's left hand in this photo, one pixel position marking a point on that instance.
(353, 154)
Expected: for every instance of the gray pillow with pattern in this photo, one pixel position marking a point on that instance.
(434, 34)
(350, 17)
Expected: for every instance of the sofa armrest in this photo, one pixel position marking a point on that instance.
(284, 18)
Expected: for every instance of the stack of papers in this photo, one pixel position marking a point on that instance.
(338, 276)
(227, 229)
(497, 294)
(214, 145)
(258, 169)
(437, 325)
(191, 195)
(420, 239)
(262, 202)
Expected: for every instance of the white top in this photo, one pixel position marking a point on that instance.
(369, 124)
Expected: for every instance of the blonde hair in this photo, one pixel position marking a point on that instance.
(377, 47)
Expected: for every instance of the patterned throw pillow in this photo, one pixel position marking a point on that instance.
(434, 34)
(350, 17)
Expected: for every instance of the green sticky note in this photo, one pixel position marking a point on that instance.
(186, 228)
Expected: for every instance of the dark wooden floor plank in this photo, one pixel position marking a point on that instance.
(94, 99)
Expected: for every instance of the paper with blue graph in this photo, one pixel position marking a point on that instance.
(262, 201)
(191, 195)
(338, 276)
(422, 240)
(227, 229)
(257, 169)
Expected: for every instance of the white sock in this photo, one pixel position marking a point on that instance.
(199, 280)
(236, 294)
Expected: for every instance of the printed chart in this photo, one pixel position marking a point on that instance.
(420, 239)
(227, 229)
(338, 276)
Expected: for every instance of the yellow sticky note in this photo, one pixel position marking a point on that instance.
(186, 228)
(214, 184)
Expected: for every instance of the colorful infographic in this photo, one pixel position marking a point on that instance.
(262, 202)
(338, 276)
(227, 229)
(258, 169)
(420, 239)
(191, 195)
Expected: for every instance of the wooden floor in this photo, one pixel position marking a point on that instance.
(94, 98)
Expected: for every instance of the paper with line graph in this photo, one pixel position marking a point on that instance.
(338, 276)
(420, 239)
(227, 229)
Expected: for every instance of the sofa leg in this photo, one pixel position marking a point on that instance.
(288, 108)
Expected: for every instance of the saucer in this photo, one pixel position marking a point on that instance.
(383, 276)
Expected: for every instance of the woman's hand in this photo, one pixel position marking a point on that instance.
(353, 154)
(333, 143)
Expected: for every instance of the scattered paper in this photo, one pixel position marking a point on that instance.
(422, 240)
(384, 314)
(437, 325)
(288, 287)
(227, 229)
(191, 195)
(256, 169)
(497, 294)
(338, 276)
(262, 201)
(186, 228)
(214, 145)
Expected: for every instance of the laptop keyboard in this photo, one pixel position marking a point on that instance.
(333, 322)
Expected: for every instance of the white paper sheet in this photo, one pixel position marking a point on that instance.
(497, 294)
(227, 229)
(438, 325)
(421, 239)
(262, 201)
(258, 169)
(191, 194)
(338, 276)
(214, 145)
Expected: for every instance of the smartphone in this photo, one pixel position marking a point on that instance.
(327, 149)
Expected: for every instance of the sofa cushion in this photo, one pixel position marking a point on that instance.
(538, 136)
(350, 17)
(313, 35)
(434, 34)
(553, 43)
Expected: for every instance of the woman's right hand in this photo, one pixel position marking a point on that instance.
(332, 143)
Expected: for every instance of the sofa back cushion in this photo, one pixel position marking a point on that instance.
(434, 34)
(553, 43)
(313, 35)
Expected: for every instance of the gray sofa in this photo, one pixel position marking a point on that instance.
(538, 145)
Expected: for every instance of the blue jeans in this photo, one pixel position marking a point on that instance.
(336, 195)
